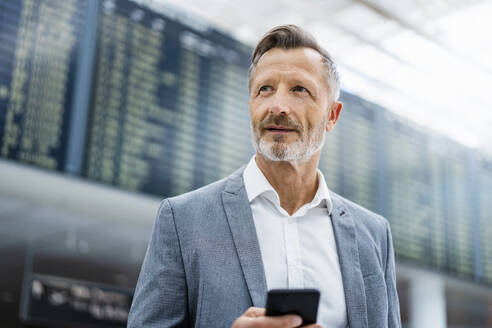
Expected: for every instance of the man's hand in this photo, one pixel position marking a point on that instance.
(255, 318)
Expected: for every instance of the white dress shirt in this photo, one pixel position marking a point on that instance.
(299, 250)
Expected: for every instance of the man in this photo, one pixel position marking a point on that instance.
(214, 252)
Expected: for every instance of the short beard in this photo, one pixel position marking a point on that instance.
(300, 150)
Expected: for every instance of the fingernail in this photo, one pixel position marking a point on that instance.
(296, 320)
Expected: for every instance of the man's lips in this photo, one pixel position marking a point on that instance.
(279, 129)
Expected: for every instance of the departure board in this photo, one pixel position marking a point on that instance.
(170, 106)
(484, 195)
(166, 111)
(408, 191)
(38, 48)
(459, 212)
(351, 163)
(61, 302)
(437, 224)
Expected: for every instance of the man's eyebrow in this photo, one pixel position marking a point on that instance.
(301, 79)
(264, 79)
(305, 81)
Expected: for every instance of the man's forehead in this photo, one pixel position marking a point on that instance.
(304, 58)
(297, 60)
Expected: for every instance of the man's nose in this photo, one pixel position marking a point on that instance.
(280, 104)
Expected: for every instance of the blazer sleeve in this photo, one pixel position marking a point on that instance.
(394, 319)
(160, 298)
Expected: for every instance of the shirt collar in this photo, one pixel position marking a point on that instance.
(256, 184)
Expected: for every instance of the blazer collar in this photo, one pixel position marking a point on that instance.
(348, 255)
(240, 219)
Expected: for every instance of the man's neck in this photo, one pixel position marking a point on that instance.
(296, 183)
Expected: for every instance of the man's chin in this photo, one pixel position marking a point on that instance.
(275, 153)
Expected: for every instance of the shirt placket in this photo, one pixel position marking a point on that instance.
(292, 246)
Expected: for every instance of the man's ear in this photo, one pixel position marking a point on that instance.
(333, 115)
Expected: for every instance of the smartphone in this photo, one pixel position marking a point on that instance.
(303, 302)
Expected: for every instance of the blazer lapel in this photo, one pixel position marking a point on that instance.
(240, 219)
(348, 255)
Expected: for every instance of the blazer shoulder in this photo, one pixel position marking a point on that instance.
(204, 197)
(209, 195)
(363, 217)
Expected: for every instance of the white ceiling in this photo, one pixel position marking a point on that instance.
(428, 60)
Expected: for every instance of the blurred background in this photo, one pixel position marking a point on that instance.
(107, 107)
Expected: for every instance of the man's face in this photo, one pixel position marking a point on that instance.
(290, 104)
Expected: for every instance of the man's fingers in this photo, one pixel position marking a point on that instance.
(254, 317)
(289, 320)
(315, 325)
(254, 312)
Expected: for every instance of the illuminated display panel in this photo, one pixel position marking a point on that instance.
(408, 190)
(57, 301)
(169, 113)
(349, 157)
(437, 224)
(458, 211)
(414, 194)
(484, 195)
(170, 103)
(38, 47)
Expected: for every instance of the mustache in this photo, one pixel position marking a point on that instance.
(281, 120)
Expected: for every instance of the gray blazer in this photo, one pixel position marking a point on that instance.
(203, 265)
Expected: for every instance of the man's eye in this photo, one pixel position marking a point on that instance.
(265, 88)
(298, 88)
